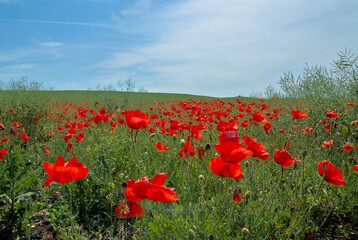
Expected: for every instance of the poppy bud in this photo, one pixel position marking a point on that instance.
(124, 185)
(28, 162)
(207, 147)
(191, 234)
(174, 136)
(247, 195)
(182, 142)
(304, 153)
(324, 166)
(335, 125)
(201, 177)
(2, 127)
(245, 231)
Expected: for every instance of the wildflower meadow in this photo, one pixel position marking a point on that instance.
(100, 165)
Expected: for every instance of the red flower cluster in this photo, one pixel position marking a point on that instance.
(231, 153)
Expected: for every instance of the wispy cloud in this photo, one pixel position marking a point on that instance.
(59, 22)
(52, 44)
(231, 47)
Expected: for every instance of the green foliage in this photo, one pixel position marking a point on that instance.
(322, 87)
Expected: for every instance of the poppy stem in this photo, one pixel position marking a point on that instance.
(282, 173)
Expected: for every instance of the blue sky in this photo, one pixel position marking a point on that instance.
(218, 48)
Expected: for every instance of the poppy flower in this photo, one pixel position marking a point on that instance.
(257, 149)
(187, 149)
(284, 158)
(267, 127)
(129, 209)
(11, 110)
(327, 143)
(297, 114)
(25, 137)
(332, 114)
(258, 117)
(230, 148)
(152, 190)
(347, 148)
(237, 197)
(225, 169)
(161, 147)
(201, 152)
(307, 130)
(244, 124)
(136, 119)
(355, 167)
(46, 150)
(67, 137)
(62, 172)
(350, 104)
(3, 152)
(229, 125)
(69, 147)
(15, 124)
(330, 172)
(79, 138)
(4, 140)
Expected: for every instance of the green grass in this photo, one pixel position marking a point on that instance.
(302, 204)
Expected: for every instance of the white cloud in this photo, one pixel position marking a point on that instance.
(229, 47)
(20, 66)
(52, 44)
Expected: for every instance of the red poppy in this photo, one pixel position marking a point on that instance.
(258, 117)
(331, 173)
(3, 152)
(152, 190)
(69, 147)
(284, 158)
(11, 110)
(332, 114)
(67, 137)
(297, 114)
(62, 172)
(79, 138)
(347, 148)
(244, 124)
(46, 150)
(257, 149)
(355, 167)
(187, 150)
(201, 152)
(161, 147)
(4, 140)
(267, 127)
(25, 137)
(327, 143)
(307, 130)
(136, 119)
(129, 209)
(15, 124)
(230, 148)
(229, 125)
(350, 104)
(225, 169)
(237, 197)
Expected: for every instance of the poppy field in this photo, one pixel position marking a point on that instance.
(188, 168)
